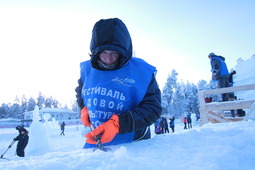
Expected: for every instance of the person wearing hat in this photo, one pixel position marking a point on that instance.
(220, 73)
(22, 139)
(118, 94)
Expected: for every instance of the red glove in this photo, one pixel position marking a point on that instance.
(107, 130)
(85, 116)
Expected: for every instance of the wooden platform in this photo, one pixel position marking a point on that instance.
(213, 112)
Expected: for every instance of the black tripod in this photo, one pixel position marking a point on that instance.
(7, 149)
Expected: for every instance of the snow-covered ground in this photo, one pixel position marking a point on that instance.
(211, 147)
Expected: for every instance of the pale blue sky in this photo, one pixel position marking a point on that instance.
(43, 42)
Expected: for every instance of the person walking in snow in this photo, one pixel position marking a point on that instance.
(185, 122)
(22, 139)
(171, 123)
(220, 73)
(118, 94)
(62, 127)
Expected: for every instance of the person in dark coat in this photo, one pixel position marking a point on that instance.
(189, 120)
(220, 73)
(166, 129)
(118, 94)
(62, 127)
(22, 139)
(231, 80)
(162, 126)
(171, 123)
(231, 83)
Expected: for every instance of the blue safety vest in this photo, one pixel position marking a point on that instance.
(223, 66)
(115, 91)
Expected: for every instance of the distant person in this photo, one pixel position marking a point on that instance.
(165, 125)
(22, 139)
(240, 112)
(118, 94)
(220, 73)
(231, 83)
(171, 123)
(198, 116)
(162, 125)
(185, 122)
(62, 127)
(158, 129)
(232, 96)
(231, 80)
(189, 120)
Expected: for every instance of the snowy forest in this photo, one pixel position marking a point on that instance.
(178, 98)
(16, 109)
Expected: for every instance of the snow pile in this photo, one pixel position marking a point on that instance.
(213, 146)
(245, 74)
(38, 135)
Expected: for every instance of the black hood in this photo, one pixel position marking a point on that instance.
(110, 34)
(222, 58)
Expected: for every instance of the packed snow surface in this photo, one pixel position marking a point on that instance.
(211, 147)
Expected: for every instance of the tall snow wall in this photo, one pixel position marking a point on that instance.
(245, 74)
